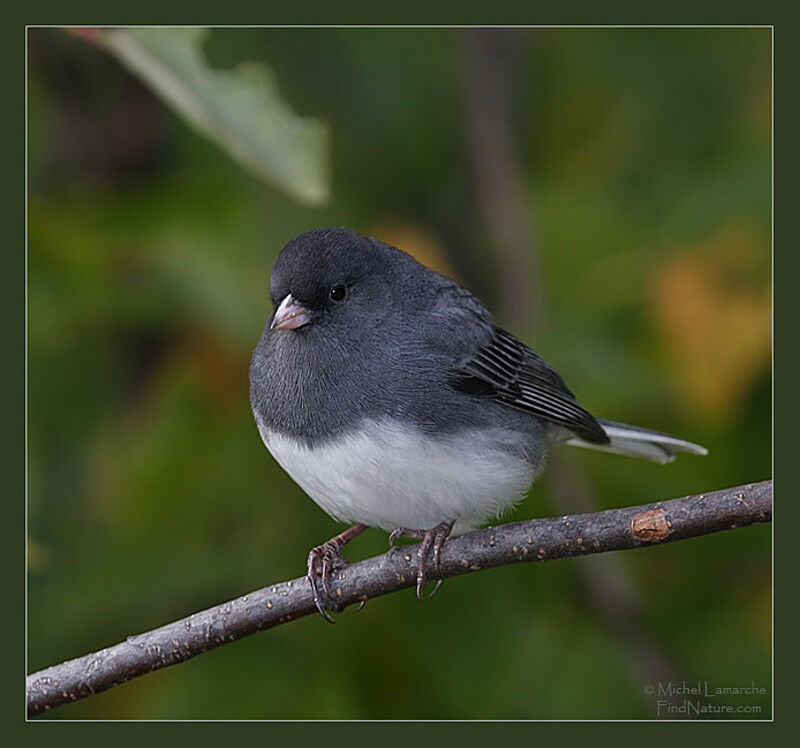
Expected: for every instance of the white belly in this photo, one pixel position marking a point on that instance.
(384, 476)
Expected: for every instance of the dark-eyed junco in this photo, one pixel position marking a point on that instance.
(388, 394)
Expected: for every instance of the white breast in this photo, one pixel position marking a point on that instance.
(386, 475)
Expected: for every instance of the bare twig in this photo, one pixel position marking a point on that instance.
(537, 540)
(503, 197)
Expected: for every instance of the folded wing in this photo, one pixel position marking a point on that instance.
(507, 371)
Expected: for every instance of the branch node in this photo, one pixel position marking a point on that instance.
(651, 525)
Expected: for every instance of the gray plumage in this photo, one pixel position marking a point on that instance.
(408, 352)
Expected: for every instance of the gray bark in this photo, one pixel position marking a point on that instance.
(536, 540)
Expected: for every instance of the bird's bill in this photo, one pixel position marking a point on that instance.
(290, 315)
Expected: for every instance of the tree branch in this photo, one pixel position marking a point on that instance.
(536, 540)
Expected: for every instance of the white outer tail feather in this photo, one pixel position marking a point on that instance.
(635, 441)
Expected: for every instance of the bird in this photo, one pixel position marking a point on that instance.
(390, 395)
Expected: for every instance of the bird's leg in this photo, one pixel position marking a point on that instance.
(431, 540)
(326, 559)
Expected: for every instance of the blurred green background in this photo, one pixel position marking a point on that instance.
(606, 190)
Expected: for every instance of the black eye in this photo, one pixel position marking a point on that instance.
(338, 292)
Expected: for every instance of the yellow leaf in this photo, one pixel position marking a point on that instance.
(713, 311)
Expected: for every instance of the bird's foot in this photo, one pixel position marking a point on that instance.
(431, 542)
(323, 562)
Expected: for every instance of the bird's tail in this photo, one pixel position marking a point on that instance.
(635, 441)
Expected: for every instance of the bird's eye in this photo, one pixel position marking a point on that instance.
(338, 292)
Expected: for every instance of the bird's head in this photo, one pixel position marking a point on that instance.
(329, 278)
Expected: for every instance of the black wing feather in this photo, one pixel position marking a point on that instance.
(508, 371)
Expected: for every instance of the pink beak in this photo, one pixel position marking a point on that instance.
(290, 315)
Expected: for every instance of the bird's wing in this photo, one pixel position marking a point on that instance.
(507, 371)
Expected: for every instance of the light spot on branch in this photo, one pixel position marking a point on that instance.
(651, 525)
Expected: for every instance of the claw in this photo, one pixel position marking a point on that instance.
(318, 570)
(404, 532)
(432, 539)
(323, 561)
(327, 566)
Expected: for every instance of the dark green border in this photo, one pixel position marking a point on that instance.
(786, 316)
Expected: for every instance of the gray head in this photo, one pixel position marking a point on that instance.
(334, 277)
